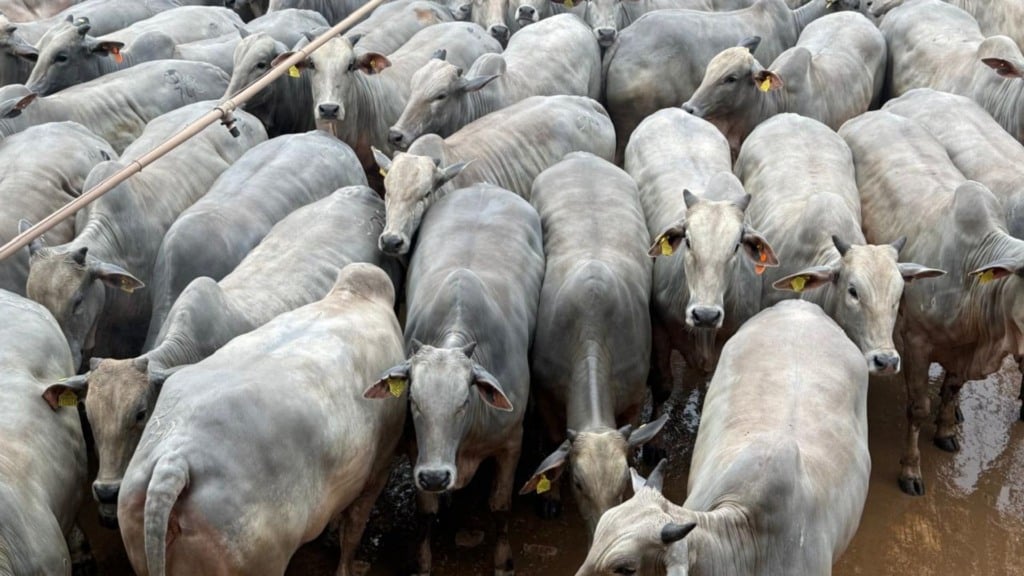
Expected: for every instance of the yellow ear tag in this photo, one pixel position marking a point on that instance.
(396, 386)
(543, 485)
(67, 398)
(568, 3)
(126, 285)
(986, 277)
(294, 72)
(383, 174)
(798, 283)
(666, 247)
(765, 85)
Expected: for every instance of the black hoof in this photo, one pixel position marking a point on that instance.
(651, 455)
(912, 486)
(950, 444)
(549, 508)
(960, 415)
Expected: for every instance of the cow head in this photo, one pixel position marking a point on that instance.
(254, 55)
(67, 56)
(643, 535)
(526, 12)
(447, 390)
(439, 91)
(709, 239)
(490, 15)
(866, 287)
(16, 49)
(411, 185)
(598, 459)
(605, 17)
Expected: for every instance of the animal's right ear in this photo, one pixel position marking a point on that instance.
(750, 43)
(638, 480)
(37, 243)
(657, 478)
(808, 279)
(382, 160)
(26, 51)
(475, 83)
(766, 80)
(550, 470)
(157, 376)
(1002, 54)
(301, 65)
(14, 106)
(668, 241)
(449, 172)
(391, 384)
(67, 392)
(114, 276)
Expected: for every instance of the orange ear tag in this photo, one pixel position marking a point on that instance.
(117, 55)
(759, 269)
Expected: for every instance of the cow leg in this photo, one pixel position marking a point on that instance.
(356, 517)
(501, 504)
(428, 504)
(82, 561)
(1020, 366)
(946, 420)
(660, 381)
(915, 375)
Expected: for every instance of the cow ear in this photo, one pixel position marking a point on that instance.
(911, 271)
(994, 271)
(286, 55)
(446, 174)
(690, 199)
(766, 80)
(67, 392)
(109, 48)
(550, 470)
(476, 83)
(637, 480)
(114, 276)
(391, 383)
(647, 432)
(26, 51)
(372, 62)
(14, 106)
(807, 279)
(489, 389)
(383, 162)
(1002, 54)
(37, 243)
(666, 243)
(758, 250)
(657, 478)
(1004, 68)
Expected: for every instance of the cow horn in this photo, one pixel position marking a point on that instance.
(468, 349)
(899, 243)
(842, 246)
(440, 54)
(79, 255)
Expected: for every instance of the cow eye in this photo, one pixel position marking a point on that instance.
(625, 570)
(140, 416)
(440, 97)
(61, 57)
(77, 301)
(261, 65)
(852, 291)
(729, 79)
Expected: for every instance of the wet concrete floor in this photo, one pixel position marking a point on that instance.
(969, 523)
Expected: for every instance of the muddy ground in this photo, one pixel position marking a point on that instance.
(970, 522)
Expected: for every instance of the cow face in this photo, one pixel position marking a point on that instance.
(336, 71)
(15, 49)
(411, 184)
(447, 391)
(526, 12)
(67, 56)
(709, 240)
(734, 81)
(254, 55)
(605, 17)
(72, 286)
(490, 15)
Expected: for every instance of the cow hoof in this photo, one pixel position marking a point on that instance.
(549, 508)
(651, 455)
(912, 486)
(960, 415)
(950, 444)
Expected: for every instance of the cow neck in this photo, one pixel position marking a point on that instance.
(808, 13)
(591, 393)
(724, 543)
(1002, 97)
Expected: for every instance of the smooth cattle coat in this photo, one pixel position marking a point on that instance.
(42, 457)
(118, 106)
(45, 168)
(780, 467)
(392, 25)
(994, 16)
(834, 73)
(90, 283)
(333, 11)
(286, 105)
(556, 56)
(272, 438)
(968, 321)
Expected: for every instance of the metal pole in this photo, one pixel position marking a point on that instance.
(221, 112)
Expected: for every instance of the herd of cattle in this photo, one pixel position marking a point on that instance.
(554, 197)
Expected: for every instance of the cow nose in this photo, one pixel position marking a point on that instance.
(434, 480)
(391, 243)
(329, 110)
(396, 137)
(885, 363)
(605, 36)
(499, 32)
(106, 492)
(526, 13)
(706, 316)
(689, 109)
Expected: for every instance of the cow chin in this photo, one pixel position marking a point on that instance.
(108, 516)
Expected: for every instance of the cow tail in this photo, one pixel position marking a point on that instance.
(170, 477)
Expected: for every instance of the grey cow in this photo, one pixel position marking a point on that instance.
(118, 106)
(358, 96)
(266, 184)
(491, 150)
(984, 152)
(392, 25)
(42, 458)
(294, 265)
(705, 280)
(592, 345)
(90, 283)
(68, 55)
(801, 177)
(557, 56)
(473, 289)
(935, 45)
(255, 450)
(967, 321)
(659, 61)
(46, 167)
(1004, 17)
(780, 468)
(834, 73)
(333, 11)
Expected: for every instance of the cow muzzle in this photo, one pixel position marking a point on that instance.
(392, 244)
(526, 15)
(883, 362)
(606, 36)
(705, 316)
(399, 138)
(434, 479)
(500, 32)
(692, 110)
(330, 111)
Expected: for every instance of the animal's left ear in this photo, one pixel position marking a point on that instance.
(758, 250)
(14, 106)
(1002, 54)
(489, 389)
(550, 470)
(67, 392)
(807, 279)
(995, 270)
(766, 80)
(477, 82)
(446, 174)
(371, 62)
(647, 432)
(114, 276)
(391, 383)
(911, 271)
(638, 480)
(109, 48)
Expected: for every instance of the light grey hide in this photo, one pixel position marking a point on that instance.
(45, 168)
(702, 293)
(489, 150)
(659, 61)
(935, 45)
(288, 446)
(333, 11)
(104, 16)
(266, 184)
(117, 106)
(27, 10)
(359, 96)
(780, 468)
(592, 345)
(68, 55)
(969, 320)
(248, 9)
(286, 105)
(294, 265)
(557, 56)
(834, 73)
(91, 284)
(473, 288)
(994, 17)
(392, 25)
(801, 177)
(42, 458)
